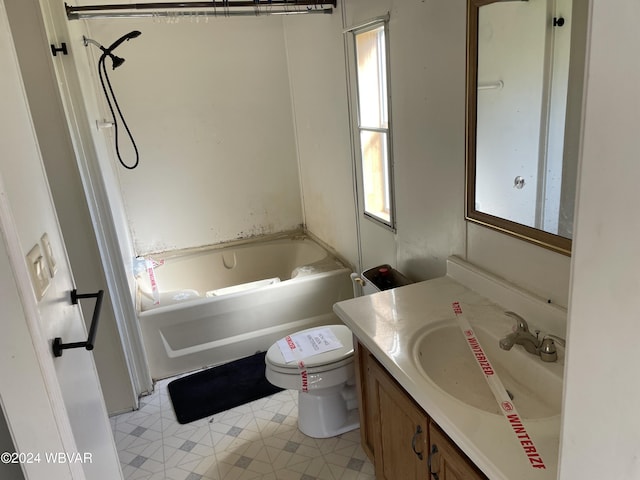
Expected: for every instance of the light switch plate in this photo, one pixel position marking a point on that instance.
(39, 271)
(48, 254)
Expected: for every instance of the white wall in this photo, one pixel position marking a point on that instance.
(533, 268)
(601, 425)
(427, 53)
(210, 109)
(318, 92)
(428, 85)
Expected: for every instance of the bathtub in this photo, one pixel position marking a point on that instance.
(210, 306)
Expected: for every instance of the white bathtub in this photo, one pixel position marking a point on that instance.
(216, 305)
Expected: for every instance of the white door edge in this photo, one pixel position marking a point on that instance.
(42, 354)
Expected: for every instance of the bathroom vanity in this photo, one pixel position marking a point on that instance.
(407, 443)
(425, 405)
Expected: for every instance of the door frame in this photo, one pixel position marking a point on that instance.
(111, 230)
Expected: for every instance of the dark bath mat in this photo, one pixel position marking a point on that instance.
(220, 388)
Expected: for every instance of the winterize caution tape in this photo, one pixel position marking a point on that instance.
(507, 408)
(304, 376)
(150, 265)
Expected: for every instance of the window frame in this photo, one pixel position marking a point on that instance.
(385, 98)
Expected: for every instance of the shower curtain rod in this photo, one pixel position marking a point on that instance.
(214, 8)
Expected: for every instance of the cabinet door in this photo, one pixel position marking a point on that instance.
(401, 444)
(365, 385)
(446, 461)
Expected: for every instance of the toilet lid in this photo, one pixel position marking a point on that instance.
(342, 333)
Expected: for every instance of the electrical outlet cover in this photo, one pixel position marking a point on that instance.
(48, 254)
(39, 271)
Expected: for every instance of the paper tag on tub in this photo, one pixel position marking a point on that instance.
(306, 344)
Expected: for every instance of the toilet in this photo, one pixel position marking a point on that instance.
(327, 397)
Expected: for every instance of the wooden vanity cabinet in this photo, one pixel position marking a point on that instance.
(448, 462)
(400, 438)
(398, 435)
(366, 396)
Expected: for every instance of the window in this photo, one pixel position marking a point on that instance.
(373, 123)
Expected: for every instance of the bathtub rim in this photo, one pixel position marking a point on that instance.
(293, 235)
(204, 300)
(297, 234)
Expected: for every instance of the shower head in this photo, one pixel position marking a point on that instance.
(128, 36)
(116, 61)
(109, 93)
(106, 52)
(114, 45)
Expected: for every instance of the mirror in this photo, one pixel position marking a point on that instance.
(524, 94)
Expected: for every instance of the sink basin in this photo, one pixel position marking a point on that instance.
(443, 356)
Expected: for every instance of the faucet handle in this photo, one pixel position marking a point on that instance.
(521, 323)
(548, 352)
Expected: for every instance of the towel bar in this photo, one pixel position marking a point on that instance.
(59, 347)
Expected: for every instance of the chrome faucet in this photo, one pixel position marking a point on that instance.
(520, 336)
(545, 348)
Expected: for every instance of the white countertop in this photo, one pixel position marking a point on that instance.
(389, 323)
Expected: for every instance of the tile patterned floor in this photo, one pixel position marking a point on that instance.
(258, 440)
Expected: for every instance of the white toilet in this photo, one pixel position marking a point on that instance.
(327, 397)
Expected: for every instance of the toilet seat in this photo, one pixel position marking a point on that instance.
(293, 369)
(317, 363)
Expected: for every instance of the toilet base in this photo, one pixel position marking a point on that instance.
(327, 413)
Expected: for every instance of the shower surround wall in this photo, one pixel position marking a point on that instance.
(209, 106)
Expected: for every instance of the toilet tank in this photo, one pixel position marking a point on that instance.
(377, 279)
